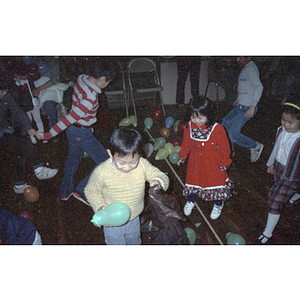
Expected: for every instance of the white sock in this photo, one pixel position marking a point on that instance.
(271, 223)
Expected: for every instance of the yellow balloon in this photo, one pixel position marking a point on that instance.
(133, 120)
(177, 149)
(161, 154)
(125, 122)
(169, 147)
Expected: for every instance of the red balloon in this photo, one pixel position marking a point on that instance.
(181, 126)
(25, 214)
(165, 132)
(31, 194)
(157, 114)
(32, 68)
(175, 142)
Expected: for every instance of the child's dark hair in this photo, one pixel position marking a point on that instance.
(200, 105)
(125, 141)
(4, 82)
(292, 107)
(21, 68)
(103, 67)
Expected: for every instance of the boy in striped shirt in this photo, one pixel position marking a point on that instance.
(78, 128)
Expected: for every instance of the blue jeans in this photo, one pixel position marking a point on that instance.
(128, 234)
(234, 122)
(49, 108)
(80, 140)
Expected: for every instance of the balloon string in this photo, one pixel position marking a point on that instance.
(200, 211)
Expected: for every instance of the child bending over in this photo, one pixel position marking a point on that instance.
(122, 178)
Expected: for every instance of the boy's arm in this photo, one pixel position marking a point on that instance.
(154, 174)
(93, 190)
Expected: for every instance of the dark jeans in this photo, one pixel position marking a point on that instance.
(184, 67)
(21, 153)
(49, 108)
(80, 140)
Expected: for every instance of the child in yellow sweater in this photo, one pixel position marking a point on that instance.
(122, 178)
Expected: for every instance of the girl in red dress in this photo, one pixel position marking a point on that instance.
(206, 144)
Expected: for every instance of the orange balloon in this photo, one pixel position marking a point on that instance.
(31, 194)
(165, 132)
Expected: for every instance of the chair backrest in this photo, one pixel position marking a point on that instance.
(142, 68)
(118, 83)
(140, 65)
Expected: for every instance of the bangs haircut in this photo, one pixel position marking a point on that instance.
(200, 105)
(126, 141)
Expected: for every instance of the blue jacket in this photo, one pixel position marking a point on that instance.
(15, 230)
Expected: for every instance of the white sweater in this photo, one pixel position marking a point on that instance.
(250, 87)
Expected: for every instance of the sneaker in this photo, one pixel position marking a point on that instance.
(215, 213)
(82, 199)
(262, 240)
(256, 152)
(33, 139)
(66, 198)
(188, 208)
(46, 173)
(19, 189)
(293, 200)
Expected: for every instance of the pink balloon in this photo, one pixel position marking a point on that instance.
(25, 214)
(148, 148)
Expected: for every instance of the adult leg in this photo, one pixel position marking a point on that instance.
(49, 108)
(234, 123)
(182, 71)
(195, 68)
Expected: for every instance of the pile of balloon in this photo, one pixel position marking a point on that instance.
(164, 149)
(128, 121)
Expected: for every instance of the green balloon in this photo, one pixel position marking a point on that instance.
(176, 125)
(161, 154)
(115, 214)
(169, 147)
(159, 143)
(173, 157)
(235, 239)
(191, 235)
(148, 123)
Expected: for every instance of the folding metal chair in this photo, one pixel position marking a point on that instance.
(118, 86)
(143, 79)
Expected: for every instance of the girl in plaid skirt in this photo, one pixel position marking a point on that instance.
(284, 165)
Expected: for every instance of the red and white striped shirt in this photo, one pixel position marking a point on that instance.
(84, 107)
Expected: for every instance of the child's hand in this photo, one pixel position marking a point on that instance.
(31, 132)
(154, 182)
(180, 161)
(270, 169)
(39, 135)
(36, 92)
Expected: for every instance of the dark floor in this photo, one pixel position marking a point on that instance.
(245, 213)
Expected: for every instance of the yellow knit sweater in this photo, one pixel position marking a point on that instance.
(107, 185)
